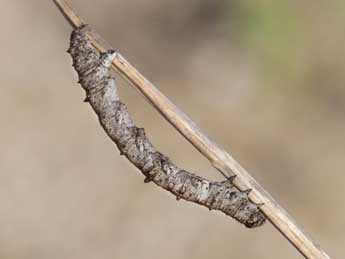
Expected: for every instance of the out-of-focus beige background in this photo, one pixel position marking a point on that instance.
(265, 79)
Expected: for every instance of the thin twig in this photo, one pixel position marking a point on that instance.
(218, 157)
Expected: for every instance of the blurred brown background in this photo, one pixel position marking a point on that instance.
(265, 79)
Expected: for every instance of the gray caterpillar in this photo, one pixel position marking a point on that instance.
(93, 69)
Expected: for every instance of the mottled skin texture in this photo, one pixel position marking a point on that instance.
(101, 91)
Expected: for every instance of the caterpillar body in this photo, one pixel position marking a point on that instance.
(93, 69)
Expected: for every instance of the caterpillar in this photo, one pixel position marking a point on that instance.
(93, 69)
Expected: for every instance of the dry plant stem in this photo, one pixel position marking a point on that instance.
(218, 157)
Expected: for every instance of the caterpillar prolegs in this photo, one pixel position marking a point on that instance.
(93, 69)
